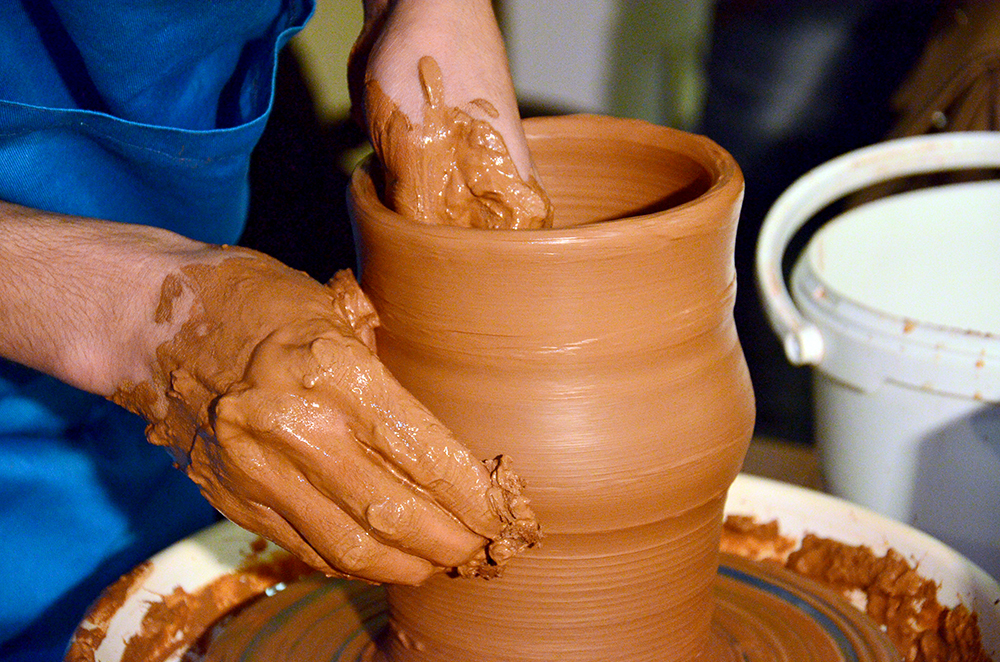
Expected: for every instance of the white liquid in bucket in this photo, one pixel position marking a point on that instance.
(931, 255)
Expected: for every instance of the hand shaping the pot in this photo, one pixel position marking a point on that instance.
(265, 386)
(321, 448)
(273, 401)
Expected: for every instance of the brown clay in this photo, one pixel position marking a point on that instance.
(602, 356)
(767, 613)
(892, 593)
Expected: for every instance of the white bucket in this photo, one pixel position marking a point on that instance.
(897, 306)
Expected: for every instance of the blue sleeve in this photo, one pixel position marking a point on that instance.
(135, 111)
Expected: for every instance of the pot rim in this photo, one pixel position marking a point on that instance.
(726, 183)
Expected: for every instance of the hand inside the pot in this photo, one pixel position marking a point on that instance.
(430, 84)
(272, 399)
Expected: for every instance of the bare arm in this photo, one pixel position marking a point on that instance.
(263, 383)
(78, 297)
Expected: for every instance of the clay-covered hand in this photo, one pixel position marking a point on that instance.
(272, 399)
(430, 84)
(265, 386)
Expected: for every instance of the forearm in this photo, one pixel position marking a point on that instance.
(79, 297)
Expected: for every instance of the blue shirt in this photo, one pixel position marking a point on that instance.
(138, 111)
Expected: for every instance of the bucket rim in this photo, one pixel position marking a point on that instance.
(868, 347)
(804, 342)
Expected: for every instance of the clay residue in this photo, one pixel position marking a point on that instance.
(177, 621)
(94, 627)
(170, 290)
(452, 169)
(746, 537)
(892, 592)
(897, 598)
(520, 527)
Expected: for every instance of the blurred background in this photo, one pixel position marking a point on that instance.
(784, 85)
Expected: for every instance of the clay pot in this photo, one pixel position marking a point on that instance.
(600, 356)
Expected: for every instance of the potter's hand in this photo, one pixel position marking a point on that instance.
(279, 409)
(264, 385)
(430, 84)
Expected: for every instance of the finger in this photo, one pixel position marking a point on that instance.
(345, 545)
(312, 529)
(339, 560)
(393, 512)
(260, 519)
(222, 492)
(427, 452)
(408, 436)
(249, 513)
(323, 470)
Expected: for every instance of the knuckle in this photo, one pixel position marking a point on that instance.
(353, 552)
(391, 518)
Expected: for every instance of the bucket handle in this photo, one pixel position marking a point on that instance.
(803, 342)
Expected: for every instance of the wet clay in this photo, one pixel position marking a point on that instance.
(272, 400)
(174, 623)
(887, 588)
(765, 612)
(896, 597)
(601, 354)
(91, 632)
(451, 169)
(177, 621)
(315, 619)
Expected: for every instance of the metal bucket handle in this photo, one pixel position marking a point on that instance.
(849, 173)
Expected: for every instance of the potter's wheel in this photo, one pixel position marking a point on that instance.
(744, 629)
(762, 615)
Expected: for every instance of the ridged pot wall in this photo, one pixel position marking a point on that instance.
(601, 357)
